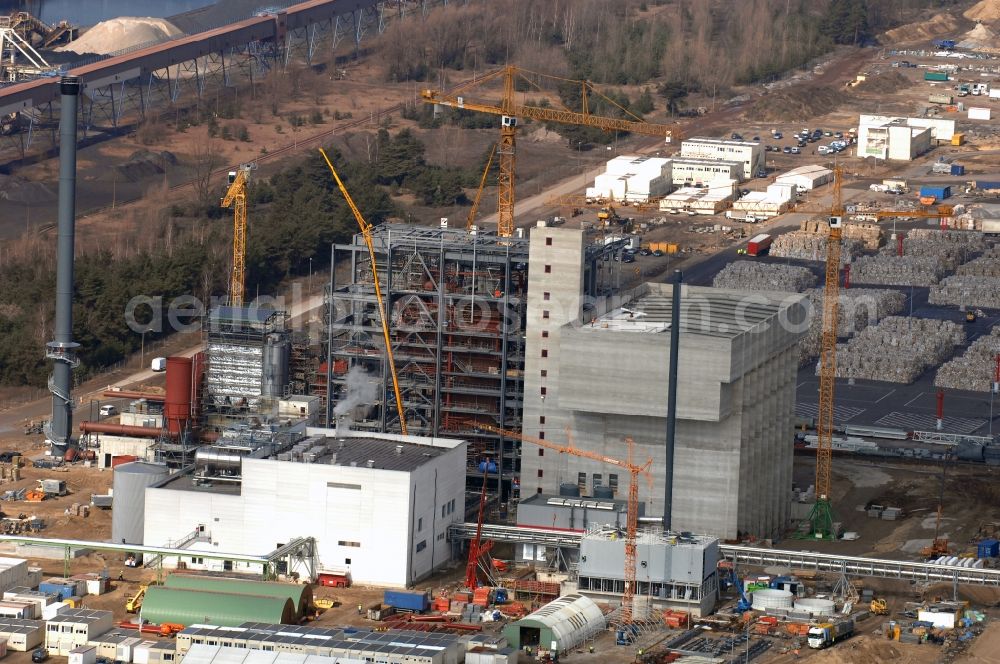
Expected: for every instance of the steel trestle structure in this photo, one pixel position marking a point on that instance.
(762, 557)
(126, 87)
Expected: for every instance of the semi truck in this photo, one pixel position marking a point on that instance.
(826, 634)
(759, 245)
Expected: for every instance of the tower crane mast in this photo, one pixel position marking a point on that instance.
(634, 471)
(366, 232)
(236, 198)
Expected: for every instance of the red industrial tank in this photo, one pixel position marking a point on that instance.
(71, 454)
(177, 407)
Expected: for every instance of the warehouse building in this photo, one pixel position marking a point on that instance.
(558, 627)
(671, 571)
(379, 505)
(392, 646)
(806, 178)
(688, 171)
(769, 203)
(704, 200)
(736, 402)
(116, 645)
(72, 628)
(186, 607)
(205, 654)
(299, 594)
(633, 179)
(893, 139)
(748, 153)
(942, 130)
(22, 635)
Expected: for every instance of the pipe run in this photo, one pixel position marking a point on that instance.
(122, 430)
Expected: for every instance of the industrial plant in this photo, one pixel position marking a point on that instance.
(643, 412)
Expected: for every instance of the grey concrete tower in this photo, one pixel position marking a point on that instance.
(62, 350)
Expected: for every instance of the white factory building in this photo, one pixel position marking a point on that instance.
(704, 200)
(379, 505)
(749, 153)
(687, 171)
(941, 129)
(633, 179)
(770, 203)
(806, 178)
(899, 138)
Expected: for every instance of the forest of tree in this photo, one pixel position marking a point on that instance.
(295, 215)
(691, 45)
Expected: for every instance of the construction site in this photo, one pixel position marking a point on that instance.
(723, 394)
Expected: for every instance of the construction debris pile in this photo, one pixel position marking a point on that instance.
(927, 256)
(812, 247)
(868, 234)
(974, 369)
(752, 276)
(857, 309)
(898, 349)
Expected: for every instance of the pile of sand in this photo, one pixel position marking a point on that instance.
(939, 24)
(799, 103)
(121, 33)
(979, 37)
(985, 10)
(885, 82)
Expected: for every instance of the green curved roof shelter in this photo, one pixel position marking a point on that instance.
(299, 594)
(189, 607)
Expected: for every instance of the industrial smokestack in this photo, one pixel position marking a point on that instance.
(63, 349)
(675, 344)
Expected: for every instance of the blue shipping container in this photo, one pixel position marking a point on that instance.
(957, 169)
(939, 192)
(989, 548)
(407, 601)
(61, 590)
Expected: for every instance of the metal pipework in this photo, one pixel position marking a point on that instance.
(675, 343)
(63, 349)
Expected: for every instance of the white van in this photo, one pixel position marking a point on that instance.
(109, 410)
(823, 149)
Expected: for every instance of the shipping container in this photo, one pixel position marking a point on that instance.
(988, 548)
(83, 655)
(976, 113)
(935, 76)
(957, 169)
(408, 601)
(759, 245)
(62, 590)
(958, 138)
(987, 185)
(939, 192)
(940, 99)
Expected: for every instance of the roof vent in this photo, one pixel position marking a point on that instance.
(370, 463)
(399, 449)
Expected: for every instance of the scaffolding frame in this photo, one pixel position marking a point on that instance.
(456, 307)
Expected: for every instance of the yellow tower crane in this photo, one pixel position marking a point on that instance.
(366, 232)
(821, 516)
(509, 111)
(633, 498)
(236, 198)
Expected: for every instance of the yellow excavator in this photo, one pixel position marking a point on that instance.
(134, 602)
(879, 607)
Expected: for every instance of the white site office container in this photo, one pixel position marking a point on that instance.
(979, 113)
(83, 655)
(126, 648)
(140, 654)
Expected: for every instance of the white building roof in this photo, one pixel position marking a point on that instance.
(719, 141)
(201, 653)
(811, 171)
(719, 191)
(701, 161)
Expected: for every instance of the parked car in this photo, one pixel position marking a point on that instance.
(762, 173)
(828, 133)
(628, 258)
(736, 137)
(644, 252)
(756, 139)
(39, 655)
(109, 410)
(658, 252)
(786, 150)
(777, 135)
(796, 150)
(839, 134)
(823, 150)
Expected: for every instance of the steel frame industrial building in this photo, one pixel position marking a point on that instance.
(456, 303)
